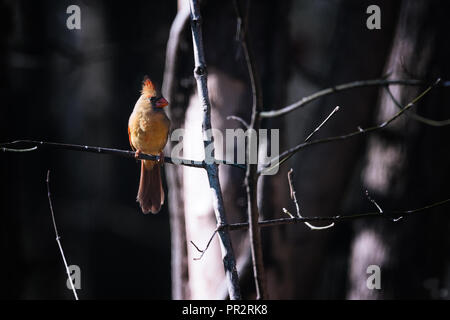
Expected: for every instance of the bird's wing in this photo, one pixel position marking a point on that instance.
(129, 139)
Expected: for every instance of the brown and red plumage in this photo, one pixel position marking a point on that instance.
(148, 129)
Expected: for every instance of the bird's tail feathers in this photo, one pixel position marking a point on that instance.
(151, 194)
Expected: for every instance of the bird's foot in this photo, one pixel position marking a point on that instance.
(161, 158)
(137, 154)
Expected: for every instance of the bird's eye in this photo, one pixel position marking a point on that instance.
(153, 99)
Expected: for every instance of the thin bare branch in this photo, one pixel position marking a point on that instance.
(290, 152)
(293, 193)
(200, 73)
(278, 163)
(297, 207)
(242, 121)
(379, 208)
(58, 238)
(427, 121)
(288, 213)
(342, 87)
(203, 251)
(323, 122)
(110, 151)
(337, 218)
(251, 176)
(374, 202)
(18, 150)
(391, 215)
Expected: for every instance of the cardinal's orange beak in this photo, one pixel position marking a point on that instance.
(161, 103)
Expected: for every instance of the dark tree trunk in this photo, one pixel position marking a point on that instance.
(305, 263)
(407, 167)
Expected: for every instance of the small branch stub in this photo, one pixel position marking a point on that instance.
(200, 71)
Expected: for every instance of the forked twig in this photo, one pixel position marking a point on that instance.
(202, 252)
(242, 121)
(337, 218)
(290, 152)
(297, 207)
(415, 116)
(278, 163)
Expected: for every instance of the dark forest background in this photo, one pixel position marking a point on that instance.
(79, 86)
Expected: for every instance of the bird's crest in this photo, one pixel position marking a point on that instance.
(148, 89)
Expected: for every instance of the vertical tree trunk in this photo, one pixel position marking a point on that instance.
(171, 89)
(230, 94)
(407, 166)
(305, 263)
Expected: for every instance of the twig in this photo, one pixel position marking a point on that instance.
(58, 238)
(290, 152)
(323, 122)
(251, 176)
(338, 218)
(342, 87)
(297, 207)
(288, 213)
(293, 193)
(379, 208)
(374, 202)
(242, 121)
(202, 252)
(430, 122)
(110, 151)
(200, 73)
(18, 150)
(278, 163)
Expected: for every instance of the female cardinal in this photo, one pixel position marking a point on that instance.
(148, 129)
